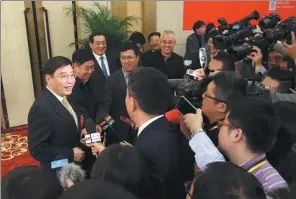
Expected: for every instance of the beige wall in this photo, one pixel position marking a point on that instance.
(61, 28)
(169, 16)
(134, 8)
(15, 63)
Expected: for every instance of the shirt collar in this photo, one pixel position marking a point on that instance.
(253, 161)
(56, 95)
(143, 126)
(98, 57)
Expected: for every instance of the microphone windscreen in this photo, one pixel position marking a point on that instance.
(71, 172)
(173, 116)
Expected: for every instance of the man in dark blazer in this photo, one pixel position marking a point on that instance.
(87, 95)
(165, 60)
(148, 97)
(195, 41)
(105, 63)
(154, 43)
(116, 85)
(54, 125)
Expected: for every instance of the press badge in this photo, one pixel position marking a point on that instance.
(59, 163)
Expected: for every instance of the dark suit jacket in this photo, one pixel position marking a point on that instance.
(90, 99)
(116, 86)
(158, 145)
(173, 67)
(192, 48)
(52, 131)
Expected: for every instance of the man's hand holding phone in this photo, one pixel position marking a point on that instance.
(194, 121)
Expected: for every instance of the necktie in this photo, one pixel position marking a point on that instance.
(104, 69)
(68, 107)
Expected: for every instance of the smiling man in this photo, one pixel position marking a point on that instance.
(165, 60)
(116, 85)
(53, 123)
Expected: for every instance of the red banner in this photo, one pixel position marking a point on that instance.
(210, 11)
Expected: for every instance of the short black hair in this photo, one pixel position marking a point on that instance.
(127, 45)
(30, 182)
(93, 34)
(94, 189)
(153, 34)
(197, 25)
(210, 27)
(258, 120)
(122, 165)
(82, 55)
(229, 84)
(228, 63)
(213, 34)
(225, 180)
(137, 37)
(151, 89)
(51, 65)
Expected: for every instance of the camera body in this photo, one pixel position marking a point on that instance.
(269, 21)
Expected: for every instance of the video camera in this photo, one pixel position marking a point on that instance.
(239, 43)
(240, 25)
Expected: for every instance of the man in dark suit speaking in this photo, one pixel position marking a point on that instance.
(148, 98)
(54, 125)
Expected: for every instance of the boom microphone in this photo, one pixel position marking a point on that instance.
(71, 174)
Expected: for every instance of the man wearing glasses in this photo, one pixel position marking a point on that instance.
(116, 85)
(249, 130)
(214, 106)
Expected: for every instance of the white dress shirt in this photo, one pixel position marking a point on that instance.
(143, 126)
(98, 58)
(205, 150)
(61, 100)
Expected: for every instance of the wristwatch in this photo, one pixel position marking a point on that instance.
(196, 132)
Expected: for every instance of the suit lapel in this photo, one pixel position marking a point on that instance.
(59, 108)
(121, 81)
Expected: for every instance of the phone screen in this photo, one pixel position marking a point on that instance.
(185, 107)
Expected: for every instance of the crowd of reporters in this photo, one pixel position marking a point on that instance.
(238, 143)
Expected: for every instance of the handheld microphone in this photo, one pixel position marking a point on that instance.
(71, 174)
(92, 135)
(106, 123)
(204, 58)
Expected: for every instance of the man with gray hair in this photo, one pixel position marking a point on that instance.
(165, 60)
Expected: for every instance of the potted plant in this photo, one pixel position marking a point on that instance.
(100, 19)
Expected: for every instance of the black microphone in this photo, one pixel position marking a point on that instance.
(106, 123)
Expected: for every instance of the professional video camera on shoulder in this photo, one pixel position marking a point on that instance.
(239, 25)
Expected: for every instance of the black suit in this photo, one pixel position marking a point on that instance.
(172, 67)
(90, 99)
(116, 86)
(112, 63)
(158, 145)
(52, 131)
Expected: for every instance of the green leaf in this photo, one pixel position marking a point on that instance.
(100, 19)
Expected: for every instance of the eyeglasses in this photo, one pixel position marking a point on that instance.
(128, 58)
(213, 98)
